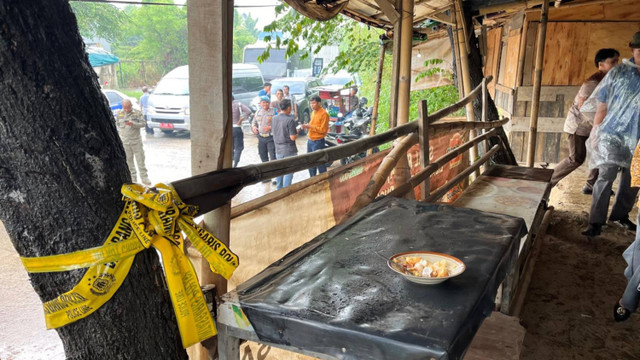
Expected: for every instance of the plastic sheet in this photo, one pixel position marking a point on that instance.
(614, 140)
(336, 295)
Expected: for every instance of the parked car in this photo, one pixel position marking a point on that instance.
(115, 98)
(302, 89)
(342, 78)
(168, 107)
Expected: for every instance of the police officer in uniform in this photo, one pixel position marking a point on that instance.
(129, 123)
(261, 126)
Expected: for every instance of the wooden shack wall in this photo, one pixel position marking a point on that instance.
(574, 34)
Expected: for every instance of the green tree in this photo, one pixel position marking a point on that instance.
(98, 20)
(155, 33)
(244, 33)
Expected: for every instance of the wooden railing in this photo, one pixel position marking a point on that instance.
(211, 190)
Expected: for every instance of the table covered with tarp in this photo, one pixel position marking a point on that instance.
(336, 296)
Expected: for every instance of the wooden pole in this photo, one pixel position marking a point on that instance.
(395, 70)
(380, 176)
(423, 133)
(210, 25)
(466, 77)
(537, 84)
(402, 171)
(376, 97)
(522, 52)
(485, 94)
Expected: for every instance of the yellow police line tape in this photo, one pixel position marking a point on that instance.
(151, 217)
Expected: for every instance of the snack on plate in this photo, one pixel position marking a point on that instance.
(417, 266)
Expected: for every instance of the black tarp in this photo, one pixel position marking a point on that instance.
(336, 295)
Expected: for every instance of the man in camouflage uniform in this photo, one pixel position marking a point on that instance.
(129, 123)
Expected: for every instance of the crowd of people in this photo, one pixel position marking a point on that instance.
(604, 121)
(276, 127)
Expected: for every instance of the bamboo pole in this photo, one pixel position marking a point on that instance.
(380, 176)
(395, 70)
(466, 76)
(423, 133)
(376, 97)
(537, 83)
(425, 173)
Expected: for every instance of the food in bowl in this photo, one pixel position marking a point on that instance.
(420, 267)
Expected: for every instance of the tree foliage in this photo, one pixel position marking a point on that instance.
(98, 20)
(244, 33)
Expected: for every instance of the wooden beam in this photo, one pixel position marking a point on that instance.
(537, 83)
(388, 9)
(510, 7)
(442, 17)
(210, 88)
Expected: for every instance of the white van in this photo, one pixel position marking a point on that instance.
(168, 106)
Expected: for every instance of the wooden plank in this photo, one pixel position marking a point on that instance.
(388, 9)
(530, 49)
(622, 10)
(513, 47)
(547, 93)
(545, 124)
(494, 45)
(565, 51)
(505, 89)
(609, 10)
(503, 64)
(499, 337)
(614, 35)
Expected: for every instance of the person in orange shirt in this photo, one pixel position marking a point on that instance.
(317, 130)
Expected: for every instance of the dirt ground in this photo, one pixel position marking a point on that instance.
(568, 312)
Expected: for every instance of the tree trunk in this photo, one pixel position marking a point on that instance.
(503, 156)
(61, 168)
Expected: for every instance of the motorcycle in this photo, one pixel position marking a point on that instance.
(357, 126)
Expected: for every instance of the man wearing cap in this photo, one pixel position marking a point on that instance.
(239, 112)
(129, 122)
(266, 90)
(615, 134)
(261, 126)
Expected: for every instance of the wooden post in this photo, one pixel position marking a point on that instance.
(395, 70)
(521, 54)
(423, 133)
(210, 25)
(466, 77)
(537, 83)
(484, 114)
(376, 97)
(402, 171)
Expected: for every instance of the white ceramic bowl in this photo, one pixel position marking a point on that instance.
(456, 266)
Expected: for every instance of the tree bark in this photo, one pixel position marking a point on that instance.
(61, 168)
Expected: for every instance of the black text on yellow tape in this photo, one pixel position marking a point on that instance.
(151, 217)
